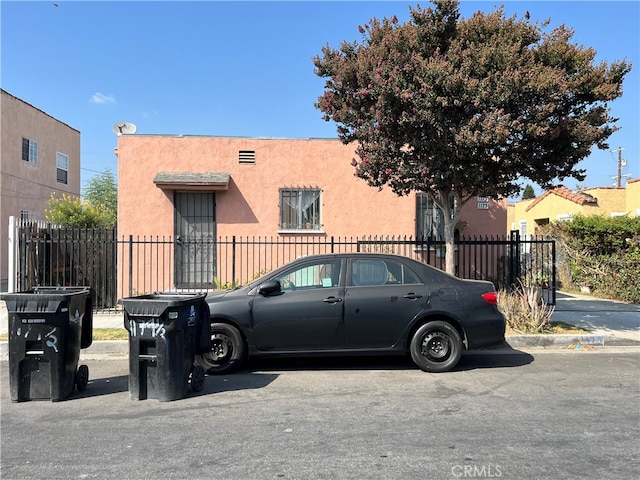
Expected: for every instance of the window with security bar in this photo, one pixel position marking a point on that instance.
(300, 209)
(430, 217)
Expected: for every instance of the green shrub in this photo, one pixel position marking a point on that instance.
(601, 253)
(73, 212)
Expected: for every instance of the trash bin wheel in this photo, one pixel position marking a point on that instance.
(197, 378)
(82, 377)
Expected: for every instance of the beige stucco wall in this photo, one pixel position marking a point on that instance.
(23, 185)
(633, 197)
(611, 200)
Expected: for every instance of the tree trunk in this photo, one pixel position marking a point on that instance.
(449, 239)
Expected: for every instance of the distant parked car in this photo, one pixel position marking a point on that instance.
(353, 304)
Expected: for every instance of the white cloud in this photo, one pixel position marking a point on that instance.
(101, 98)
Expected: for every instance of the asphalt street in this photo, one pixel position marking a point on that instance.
(538, 414)
(568, 410)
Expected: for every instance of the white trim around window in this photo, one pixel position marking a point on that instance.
(62, 168)
(29, 151)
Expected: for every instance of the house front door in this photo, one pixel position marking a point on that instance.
(195, 233)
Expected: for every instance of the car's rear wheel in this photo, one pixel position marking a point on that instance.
(436, 347)
(227, 350)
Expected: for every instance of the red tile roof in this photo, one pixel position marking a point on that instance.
(577, 197)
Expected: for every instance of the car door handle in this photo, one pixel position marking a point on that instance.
(412, 296)
(332, 300)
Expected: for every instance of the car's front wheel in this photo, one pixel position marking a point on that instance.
(227, 350)
(436, 347)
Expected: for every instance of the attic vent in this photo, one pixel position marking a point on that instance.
(247, 156)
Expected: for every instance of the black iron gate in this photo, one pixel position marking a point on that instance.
(195, 233)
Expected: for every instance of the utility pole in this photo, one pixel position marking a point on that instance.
(621, 163)
(619, 167)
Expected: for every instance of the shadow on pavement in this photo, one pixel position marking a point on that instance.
(491, 359)
(212, 384)
(505, 357)
(103, 386)
(243, 380)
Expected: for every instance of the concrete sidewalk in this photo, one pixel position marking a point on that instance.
(601, 317)
(609, 323)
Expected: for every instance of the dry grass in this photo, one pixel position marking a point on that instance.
(526, 311)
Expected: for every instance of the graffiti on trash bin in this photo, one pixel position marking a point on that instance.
(192, 317)
(51, 338)
(151, 328)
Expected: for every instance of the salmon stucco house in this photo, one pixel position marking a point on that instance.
(186, 187)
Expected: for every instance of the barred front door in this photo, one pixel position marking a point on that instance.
(195, 232)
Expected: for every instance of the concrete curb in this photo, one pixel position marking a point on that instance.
(565, 340)
(119, 348)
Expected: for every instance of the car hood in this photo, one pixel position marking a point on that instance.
(219, 295)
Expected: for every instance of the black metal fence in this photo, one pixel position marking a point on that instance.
(49, 256)
(119, 268)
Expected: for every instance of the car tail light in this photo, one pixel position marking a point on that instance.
(491, 297)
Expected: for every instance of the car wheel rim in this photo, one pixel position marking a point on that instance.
(221, 347)
(436, 346)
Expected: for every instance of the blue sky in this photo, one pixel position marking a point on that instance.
(244, 68)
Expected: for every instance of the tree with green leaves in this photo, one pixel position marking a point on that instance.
(528, 193)
(463, 107)
(102, 189)
(73, 212)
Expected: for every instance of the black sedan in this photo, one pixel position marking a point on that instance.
(353, 304)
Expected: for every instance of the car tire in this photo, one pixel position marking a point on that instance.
(227, 352)
(436, 347)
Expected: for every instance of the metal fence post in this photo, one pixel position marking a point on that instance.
(131, 265)
(233, 260)
(553, 271)
(514, 257)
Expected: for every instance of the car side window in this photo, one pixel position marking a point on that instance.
(400, 274)
(315, 275)
(378, 272)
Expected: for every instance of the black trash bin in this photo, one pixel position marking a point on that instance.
(166, 332)
(47, 328)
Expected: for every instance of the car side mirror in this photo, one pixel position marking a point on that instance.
(269, 287)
